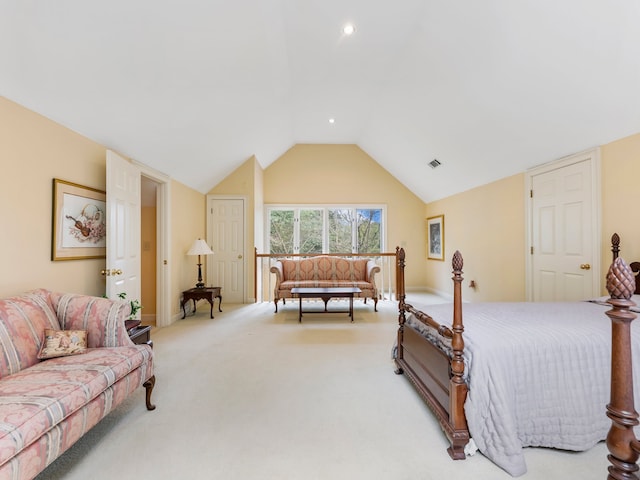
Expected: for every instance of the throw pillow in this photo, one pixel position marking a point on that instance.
(60, 343)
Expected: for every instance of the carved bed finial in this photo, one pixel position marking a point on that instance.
(615, 245)
(457, 262)
(621, 282)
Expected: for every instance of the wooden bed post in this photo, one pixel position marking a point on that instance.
(400, 293)
(621, 441)
(458, 388)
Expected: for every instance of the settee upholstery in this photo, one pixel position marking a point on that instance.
(47, 405)
(325, 271)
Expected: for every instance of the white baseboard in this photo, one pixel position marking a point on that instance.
(446, 295)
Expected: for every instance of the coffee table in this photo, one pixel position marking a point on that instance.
(326, 294)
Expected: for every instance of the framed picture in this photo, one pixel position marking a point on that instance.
(435, 237)
(79, 222)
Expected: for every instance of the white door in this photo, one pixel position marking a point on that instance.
(123, 228)
(225, 235)
(564, 231)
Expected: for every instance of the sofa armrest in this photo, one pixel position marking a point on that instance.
(372, 269)
(277, 269)
(102, 318)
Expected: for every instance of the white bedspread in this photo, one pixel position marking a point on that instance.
(538, 375)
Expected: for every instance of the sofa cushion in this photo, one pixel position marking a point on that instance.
(23, 320)
(60, 343)
(36, 399)
(325, 268)
(364, 286)
(101, 317)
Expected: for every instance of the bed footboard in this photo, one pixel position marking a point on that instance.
(436, 375)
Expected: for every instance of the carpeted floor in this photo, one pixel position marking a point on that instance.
(256, 395)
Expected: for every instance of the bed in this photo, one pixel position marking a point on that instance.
(513, 375)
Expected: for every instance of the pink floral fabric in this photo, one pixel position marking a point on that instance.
(46, 406)
(35, 400)
(102, 318)
(23, 320)
(325, 268)
(33, 458)
(325, 271)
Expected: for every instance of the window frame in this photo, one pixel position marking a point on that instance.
(297, 208)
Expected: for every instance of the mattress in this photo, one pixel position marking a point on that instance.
(538, 375)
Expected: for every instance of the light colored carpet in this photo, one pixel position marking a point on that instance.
(256, 395)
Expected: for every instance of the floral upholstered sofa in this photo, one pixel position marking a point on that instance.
(53, 386)
(325, 271)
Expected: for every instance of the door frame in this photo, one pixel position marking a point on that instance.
(210, 259)
(592, 154)
(163, 239)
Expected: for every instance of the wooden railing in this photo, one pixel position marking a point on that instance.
(264, 280)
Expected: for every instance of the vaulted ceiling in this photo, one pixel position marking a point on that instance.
(193, 88)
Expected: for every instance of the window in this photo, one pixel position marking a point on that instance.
(325, 229)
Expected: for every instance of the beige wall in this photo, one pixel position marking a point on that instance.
(245, 181)
(33, 151)
(188, 209)
(486, 224)
(258, 207)
(621, 198)
(345, 174)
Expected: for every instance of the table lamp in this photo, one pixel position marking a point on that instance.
(200, 247)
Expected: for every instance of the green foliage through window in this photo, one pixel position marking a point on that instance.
(325, 229)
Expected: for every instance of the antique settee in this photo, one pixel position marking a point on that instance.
(66, 361)
(325, 271)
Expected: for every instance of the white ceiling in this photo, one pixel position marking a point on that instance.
(193, 88)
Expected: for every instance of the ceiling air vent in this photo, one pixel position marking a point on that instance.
(434, 163)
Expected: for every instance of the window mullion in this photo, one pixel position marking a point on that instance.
(354, 230)
(296, 230)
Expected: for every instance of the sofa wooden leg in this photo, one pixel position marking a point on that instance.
(149, 384)
(375, 304)
(276, 303)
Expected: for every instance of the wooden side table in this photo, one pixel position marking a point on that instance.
(141, 335)
(209, 294)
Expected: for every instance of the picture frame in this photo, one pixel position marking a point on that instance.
(435, 238)
(78, 222)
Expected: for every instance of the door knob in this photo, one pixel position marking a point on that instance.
(239, 257)
(585, 266)
(106, 272)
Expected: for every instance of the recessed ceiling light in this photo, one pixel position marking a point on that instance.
(332, 121)
(349, 29)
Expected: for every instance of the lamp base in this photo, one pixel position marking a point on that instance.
(200, 283)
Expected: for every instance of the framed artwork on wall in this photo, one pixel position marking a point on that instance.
(435, 237)
(78, 222)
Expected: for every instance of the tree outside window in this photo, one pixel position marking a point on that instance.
(318, 229)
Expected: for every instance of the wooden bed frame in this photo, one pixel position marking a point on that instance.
(438, 377)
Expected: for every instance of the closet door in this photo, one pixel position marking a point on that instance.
(226, 236)
(564, 231)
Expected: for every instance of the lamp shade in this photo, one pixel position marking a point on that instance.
(200, 247)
